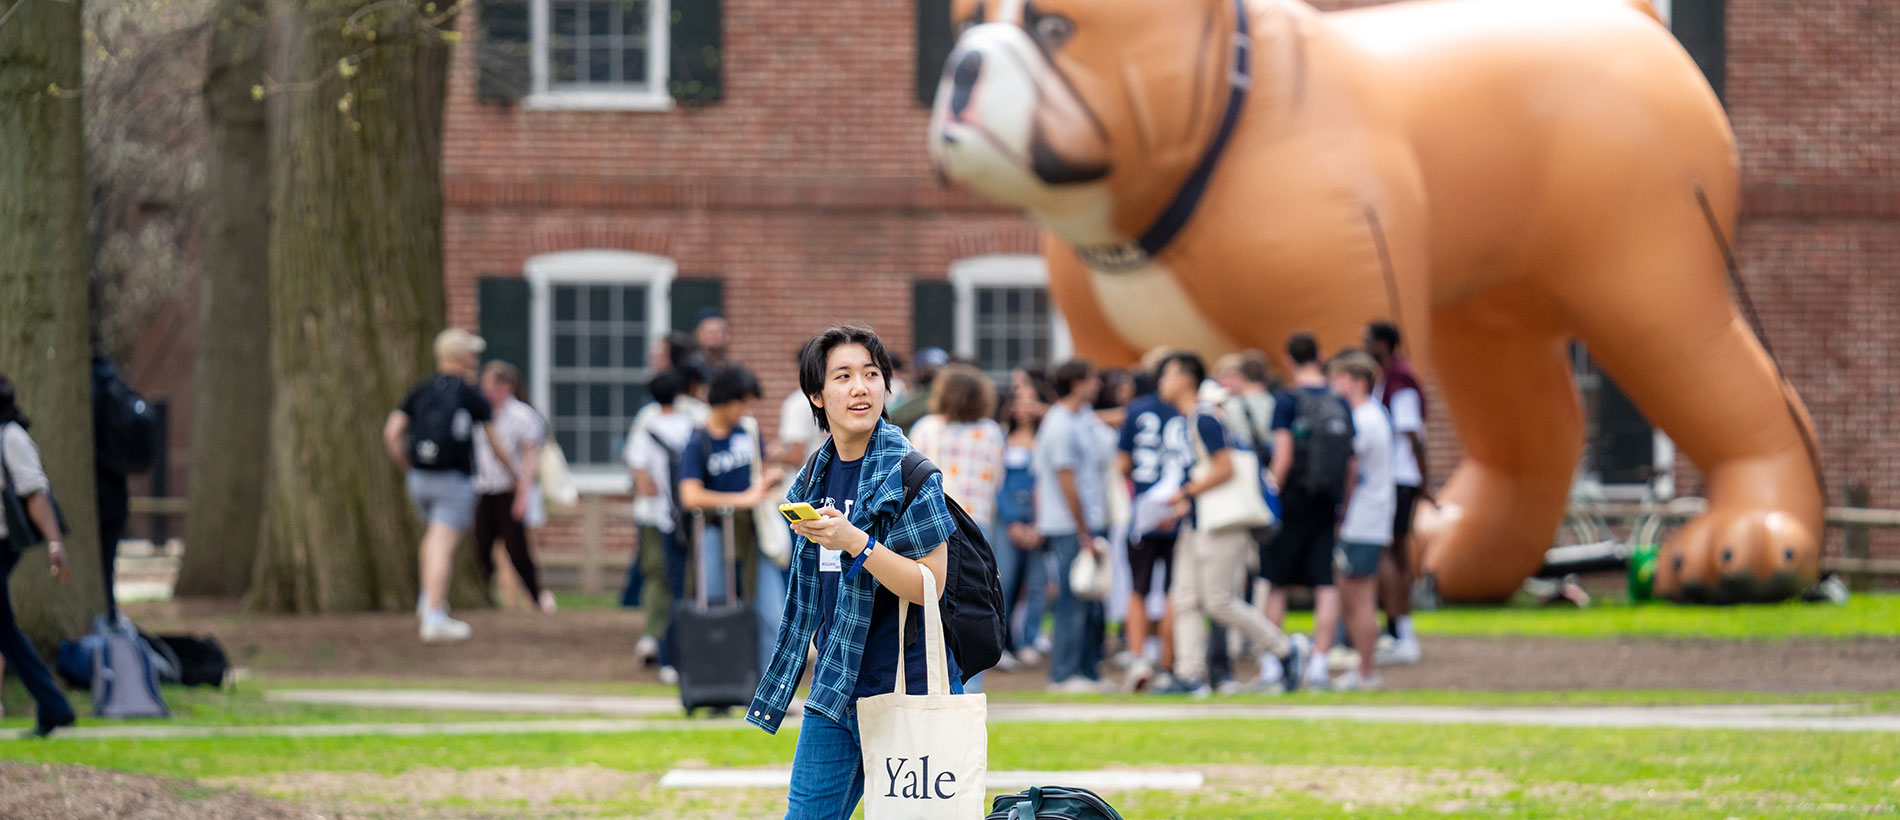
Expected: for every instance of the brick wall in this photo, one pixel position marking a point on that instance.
(809, 180)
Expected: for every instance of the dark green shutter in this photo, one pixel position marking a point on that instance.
(504, 320)
(936, 37)
(1702, 26)
(1625, 446)
(934, 315)
(502, 50)
(690, 296)
(698, 51)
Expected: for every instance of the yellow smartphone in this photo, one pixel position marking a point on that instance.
(800, 511)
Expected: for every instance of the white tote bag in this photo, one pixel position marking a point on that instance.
(925, 756)
(1240, 501)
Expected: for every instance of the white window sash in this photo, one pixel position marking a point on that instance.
(585, 267)
(654, 95)
(1003, 271)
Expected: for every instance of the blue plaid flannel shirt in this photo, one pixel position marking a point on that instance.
(925, 524)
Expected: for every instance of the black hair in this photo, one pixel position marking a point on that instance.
(10, 407)
(733, 383)
(1384, 332)
(1302, 348)
(667, 387)
(1110, 396)
(817, 354)
(1071, 373)
(1146, 382)
(1189, 362)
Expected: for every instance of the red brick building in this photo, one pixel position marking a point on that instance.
(612, 167)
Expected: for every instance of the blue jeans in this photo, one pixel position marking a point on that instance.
(1024, 574)
(768, 603)
(1070, 656)
(827, 769)
(18, 651)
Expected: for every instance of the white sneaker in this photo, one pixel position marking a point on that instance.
(1008, 664)
(1316, 675)
(1077, 685)
(546, 602)
(1141, 677)
(1402, 651)
(647, 650)
(1352, 682)
(1028, 656)
(444, 629)
(669, 675)
(1122, 660)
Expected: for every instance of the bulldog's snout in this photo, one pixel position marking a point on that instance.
(963, 81)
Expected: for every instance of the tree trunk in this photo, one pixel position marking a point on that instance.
(43, 279)
(232, 408)
(356, 296)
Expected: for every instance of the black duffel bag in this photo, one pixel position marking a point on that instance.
(1052, 803)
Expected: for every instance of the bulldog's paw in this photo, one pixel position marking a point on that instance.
(1736, 553)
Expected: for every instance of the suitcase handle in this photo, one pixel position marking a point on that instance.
(726, 547)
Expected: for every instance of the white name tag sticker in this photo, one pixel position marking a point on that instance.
(830, 560)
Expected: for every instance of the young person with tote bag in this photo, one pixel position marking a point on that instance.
(925, 756)
(853, 569)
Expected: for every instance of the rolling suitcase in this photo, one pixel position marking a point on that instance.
(717, 644)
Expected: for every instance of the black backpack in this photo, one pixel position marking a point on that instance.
(125, 429)
(682, 520)
(432, 432)
(200, 660)
(1322, 443)
(1052, 803)
(972, 603)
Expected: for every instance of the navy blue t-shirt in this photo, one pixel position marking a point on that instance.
(877, 674)
(1154, 435)
(1213, 436)
(724, 465)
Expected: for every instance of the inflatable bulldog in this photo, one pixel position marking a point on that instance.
(1500, 177)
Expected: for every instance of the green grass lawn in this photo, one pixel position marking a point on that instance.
(1256, 769)
(1864, 616)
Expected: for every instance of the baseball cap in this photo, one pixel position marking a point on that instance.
(456, 341)
(931, 357)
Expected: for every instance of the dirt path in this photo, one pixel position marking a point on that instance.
(597, 645)
(31, 792)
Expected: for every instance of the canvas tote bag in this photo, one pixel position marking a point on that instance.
(925, 756)
(1240, 502)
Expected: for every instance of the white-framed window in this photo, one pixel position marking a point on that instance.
(599, 54)
(1624, 457)
(595, 317)
(1004, 316)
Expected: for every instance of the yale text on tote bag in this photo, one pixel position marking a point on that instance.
(925, 756)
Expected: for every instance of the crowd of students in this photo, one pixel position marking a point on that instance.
(1143, 477)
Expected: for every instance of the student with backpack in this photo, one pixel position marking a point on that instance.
(125, 443)
(653, 454)
(882, 513)
(432, 437)
(1312, 453)
(30, 519)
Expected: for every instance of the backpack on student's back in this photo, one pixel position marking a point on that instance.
(682, 520)
(972, 603)
(433, 429)
(1322, 442)
(125, 427)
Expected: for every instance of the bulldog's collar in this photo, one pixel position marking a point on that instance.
(1122, 257)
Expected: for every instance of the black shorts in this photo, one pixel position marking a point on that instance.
(1402, 525)
(1303, 554)
(1144, 554)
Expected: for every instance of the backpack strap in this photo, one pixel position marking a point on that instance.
(917, 470)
